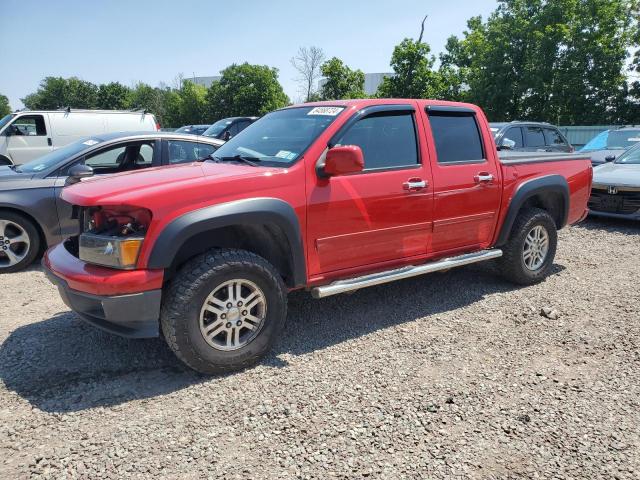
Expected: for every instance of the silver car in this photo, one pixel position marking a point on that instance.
(616, 187)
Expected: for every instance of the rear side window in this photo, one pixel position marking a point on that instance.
(456, 136)
(535, 137)
(515, 134)
(553, 137)
(387, 140)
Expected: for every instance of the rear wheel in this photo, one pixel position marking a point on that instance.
(528, 255)
(224, 310)
(19, 242)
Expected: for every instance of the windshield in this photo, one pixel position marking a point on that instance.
(630, 157)
(54, 158)
(217, 128)
(6, 119)
(613, 140)
(280, 137)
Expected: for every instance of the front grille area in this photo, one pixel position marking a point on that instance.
(623, 202)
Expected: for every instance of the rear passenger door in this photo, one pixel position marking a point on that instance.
(466, 180)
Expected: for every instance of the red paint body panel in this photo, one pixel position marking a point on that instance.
(97, 280)
(351, 224)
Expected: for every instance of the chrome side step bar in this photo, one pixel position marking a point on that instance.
(357, 283)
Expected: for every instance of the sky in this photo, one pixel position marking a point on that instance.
(155, 41)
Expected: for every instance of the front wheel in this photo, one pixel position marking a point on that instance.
(19, 242)
(528, 254)
(223, 310)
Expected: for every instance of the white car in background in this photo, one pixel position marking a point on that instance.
(29, 134)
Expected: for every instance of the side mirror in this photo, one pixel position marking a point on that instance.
(507, 144)
(344, 159)
(609, 158)
(77, 173)
(227, 136)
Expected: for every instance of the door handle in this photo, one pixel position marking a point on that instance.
(414, 184)
(49, 141)
(483, 177)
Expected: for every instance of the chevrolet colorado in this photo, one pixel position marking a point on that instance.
(330, 197)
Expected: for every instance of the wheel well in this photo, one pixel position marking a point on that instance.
(4, 160)
(552, 202)
(43, 238)
(267, 240)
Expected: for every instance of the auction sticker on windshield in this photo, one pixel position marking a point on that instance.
(330, 111)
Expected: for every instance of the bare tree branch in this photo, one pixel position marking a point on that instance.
(307, 62)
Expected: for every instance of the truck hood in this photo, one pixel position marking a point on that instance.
(169, 182)
(618, 174)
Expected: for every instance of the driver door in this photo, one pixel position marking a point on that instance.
(109, 160)
(28, 137)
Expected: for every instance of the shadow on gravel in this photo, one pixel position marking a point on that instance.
(62, 365)
(629, 227)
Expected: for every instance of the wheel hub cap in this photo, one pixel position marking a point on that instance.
(14, 242)
(536, 247)
(233, 314)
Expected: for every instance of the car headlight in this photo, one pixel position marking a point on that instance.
(113, 236)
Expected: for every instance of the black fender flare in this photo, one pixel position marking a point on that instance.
(4, 160)
(555, 184)
(252, 211)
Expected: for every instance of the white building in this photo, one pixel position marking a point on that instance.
(204, 81)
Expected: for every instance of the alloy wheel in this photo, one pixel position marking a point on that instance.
(536, 247)
(14, 243)
(233, 314)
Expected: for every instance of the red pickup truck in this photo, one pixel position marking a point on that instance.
(330, 197)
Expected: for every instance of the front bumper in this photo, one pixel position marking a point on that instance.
(133, 314)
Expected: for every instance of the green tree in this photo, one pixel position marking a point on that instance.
(192, 103)
(414, 76)
(340, 81)
(245, 90)
(113, 96)
(556, 60)
(5, 109)
(57, 92)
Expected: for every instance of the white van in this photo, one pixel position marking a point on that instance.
(29, 134)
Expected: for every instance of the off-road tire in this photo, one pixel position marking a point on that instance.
(34, 241)
(184, 296)
(511, 265)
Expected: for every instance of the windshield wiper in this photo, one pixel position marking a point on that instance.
(239, 158)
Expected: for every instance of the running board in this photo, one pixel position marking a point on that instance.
(357, 283)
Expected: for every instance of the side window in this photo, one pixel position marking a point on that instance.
(243, 124)
(233, 130)
(111, 158)
(204, 150)
(457, 137)
(30, 125)
(387, 140)
(121, 158)
(553, 137)
(515, 134)
(181, 151)
(534, 136)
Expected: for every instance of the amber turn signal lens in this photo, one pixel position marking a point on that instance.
(129, 250)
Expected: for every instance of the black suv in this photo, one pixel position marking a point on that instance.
(228, 127)
(529, 137)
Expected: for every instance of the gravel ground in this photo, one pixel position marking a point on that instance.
(453, 375)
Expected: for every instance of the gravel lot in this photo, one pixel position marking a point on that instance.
(454, 375)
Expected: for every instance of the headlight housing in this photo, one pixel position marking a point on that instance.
(113, 236)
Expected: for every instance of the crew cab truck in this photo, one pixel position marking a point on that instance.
(330, 197)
